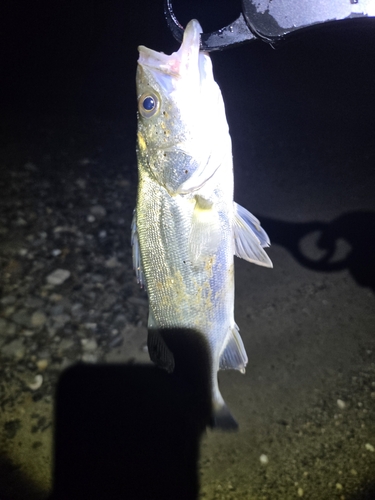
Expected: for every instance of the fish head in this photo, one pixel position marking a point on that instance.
(181, 116)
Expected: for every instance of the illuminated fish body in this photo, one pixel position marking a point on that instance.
(186, 227)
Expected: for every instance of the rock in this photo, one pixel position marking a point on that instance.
(38, 319)
(8, 300)
(98, 211)
(112, 262)
(58, 276)
(77, 310)
(34, 302)
(66, 344)
(14, 349)
(55, 297)
(89, 357)
(60, 320)
(89, 345)
(56, 310)
(27, 333)
(37, 383)
(6, 328)
(22, 317)
(81, 183)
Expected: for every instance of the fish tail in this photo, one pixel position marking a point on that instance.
(223, 419)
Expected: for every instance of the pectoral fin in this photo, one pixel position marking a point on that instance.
(137, 260)
(205, 231)
(234, 355)
(249, 238)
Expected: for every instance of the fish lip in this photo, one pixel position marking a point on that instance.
(178, 62)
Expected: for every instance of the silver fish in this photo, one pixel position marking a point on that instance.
(186, 227)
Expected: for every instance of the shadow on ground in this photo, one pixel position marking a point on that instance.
(131, 431)
(345, 243)
(14, 485)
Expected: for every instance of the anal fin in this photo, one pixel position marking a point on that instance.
(234, 355)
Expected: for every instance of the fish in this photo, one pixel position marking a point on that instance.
(186, 226)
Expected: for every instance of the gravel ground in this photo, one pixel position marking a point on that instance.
(306, 406)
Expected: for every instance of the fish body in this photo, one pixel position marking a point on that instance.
(186, 227)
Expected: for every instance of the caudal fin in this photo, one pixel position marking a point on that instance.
(222, 418)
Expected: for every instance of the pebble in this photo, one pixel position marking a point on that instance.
(341, 404)
(89, 357)
(112, 262)
(66, 344)
(263, 459)
(369, 447)
(81, 183)
(89, 344)
(37, 384)
(58, 276)
(300, 492)
(98, 211)
(8, 300)
(27, 333)
(90, 218)
(61, 320)
(8, 311)
(22, 317)
(56, 310)
(14, 349)
(56, 252)
(6, 328)
(42, 364)
(55, 297)
(34, 302)
(38, 319)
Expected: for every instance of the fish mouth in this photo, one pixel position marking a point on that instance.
(180, 62)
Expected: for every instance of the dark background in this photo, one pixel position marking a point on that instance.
(78, 59)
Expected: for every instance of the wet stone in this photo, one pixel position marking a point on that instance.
(7, 328)
(56, 310)
(58, 276)
(14, 349)
(34, 302)
(89, 345)
(8, 300)
(38, 319)
(60, 320)
(22, 318)
(98, 211)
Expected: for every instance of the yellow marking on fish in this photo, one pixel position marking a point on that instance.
(209, 265)
(141, 142)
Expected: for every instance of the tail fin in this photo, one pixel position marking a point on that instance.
(222, 418)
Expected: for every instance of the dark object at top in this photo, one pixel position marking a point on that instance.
(272, 20)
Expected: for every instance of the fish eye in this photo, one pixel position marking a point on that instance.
(148, 104)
